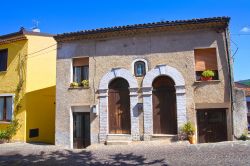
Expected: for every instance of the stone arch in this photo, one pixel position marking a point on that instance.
(115, 73)
(103, 102)
(163, 70)
(177, 77)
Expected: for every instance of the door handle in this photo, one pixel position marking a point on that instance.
(209, 131)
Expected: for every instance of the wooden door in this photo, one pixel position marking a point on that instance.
(212, 126)
(81, 129)
(164, 106)
(119, 107)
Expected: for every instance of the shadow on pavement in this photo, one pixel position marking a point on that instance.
(67, 157)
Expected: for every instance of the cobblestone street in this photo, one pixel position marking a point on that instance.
(142, 153)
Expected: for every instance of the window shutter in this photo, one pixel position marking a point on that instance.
(80, 61)
(8, 108)
(1, 108)
(205, 59)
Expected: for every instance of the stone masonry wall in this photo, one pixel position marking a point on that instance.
(240, 113)
(175, 49)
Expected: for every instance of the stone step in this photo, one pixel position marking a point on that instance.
(119, 137)
(117, 142)
(164, 137)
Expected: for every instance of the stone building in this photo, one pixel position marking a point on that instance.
(144, 82)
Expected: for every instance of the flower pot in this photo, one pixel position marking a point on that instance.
(206, 78)
(191, 139)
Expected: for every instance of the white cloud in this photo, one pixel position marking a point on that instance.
(245, 29)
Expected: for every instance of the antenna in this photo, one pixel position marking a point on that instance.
(35, 27)
(35, 22)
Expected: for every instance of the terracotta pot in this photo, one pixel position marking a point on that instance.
(206, 78)
(191, 139)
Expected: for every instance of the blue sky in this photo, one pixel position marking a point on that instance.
(66, 16)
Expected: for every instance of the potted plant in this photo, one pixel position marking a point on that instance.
(85, 83)
(74, 84)
(207, 75)
(189, 130)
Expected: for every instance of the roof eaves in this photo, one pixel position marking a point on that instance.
(224, 20)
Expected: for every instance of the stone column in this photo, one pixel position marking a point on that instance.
(147, 112)
(134, 114)
(103, 110)
(181, 106)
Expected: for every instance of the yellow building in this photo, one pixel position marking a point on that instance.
(27, 85)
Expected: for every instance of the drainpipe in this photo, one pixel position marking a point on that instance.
(231, 83)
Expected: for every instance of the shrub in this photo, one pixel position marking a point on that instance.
(85, 83)
(243, 137)
(188, 129)
(3, 135)
(74, 84)
(208, 73)
(10, 131)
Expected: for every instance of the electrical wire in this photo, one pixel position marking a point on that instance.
(241, 34)
(237, 48)
(21, 46)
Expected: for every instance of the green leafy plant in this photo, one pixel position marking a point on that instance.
(74, 84)
(244, 136)
(188, 128)
(208, 73)
(10, 131)
(85, 83)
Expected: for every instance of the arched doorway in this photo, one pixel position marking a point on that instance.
(164, 106)
(119, 107)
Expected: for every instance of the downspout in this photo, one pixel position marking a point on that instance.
(231, 83)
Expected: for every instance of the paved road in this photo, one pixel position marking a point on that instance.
(143, 153)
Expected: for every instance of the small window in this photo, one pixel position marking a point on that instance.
(6, 108)
(206, 59)
(80, 69)
(34, 133)
(3, 59)
(139, 68)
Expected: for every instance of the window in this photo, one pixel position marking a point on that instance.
(6, 108)
(139, 68)
(205, 59)
(80, 69)
(3, 59)
(33, 133)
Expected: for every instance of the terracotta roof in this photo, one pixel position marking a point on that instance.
(213, 22)
(20, 35)
(244, 87)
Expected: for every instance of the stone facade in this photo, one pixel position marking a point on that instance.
(240, 113)
(168, 53)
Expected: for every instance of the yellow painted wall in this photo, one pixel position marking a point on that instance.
(9, 81)
(40, 88)
(40, 108)
(38, 95)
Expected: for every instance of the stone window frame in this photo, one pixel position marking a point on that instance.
(71, 120)
(138, 60)
(13, 99)
(72, 66)
(217, 60)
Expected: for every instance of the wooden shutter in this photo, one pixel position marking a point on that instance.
(81, 61)
(205, 59)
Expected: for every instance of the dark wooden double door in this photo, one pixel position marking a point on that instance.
(81, 130)
(212, 125)
(119, 107)
(164, 106)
